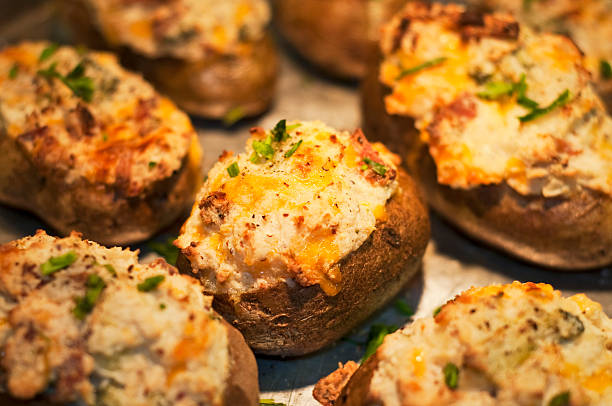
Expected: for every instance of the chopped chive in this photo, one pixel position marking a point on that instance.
(162, 306)
(85, 305)
(495, 90)
(48, 52)
(451, 375)
(538, 112)
(562, 399)
(81, 86)
(418, 68)
(152, 164)
(376, 336)
(293, 149)
(151, 283)
(437, 310)
(263, 149)
(104, 136)
(55, 264)
(233, 116)
(279, 132)
(293, 127)
(364, 167)
(605, 69)
(376, 167)
(233, 170)
(521, 98)
(13, 72)
(110, 269)
(166, 250)
(404, 308)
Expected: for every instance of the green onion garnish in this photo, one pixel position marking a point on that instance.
(538, 112)
(233, 170)
(293, 149)
(418, 68)
(85, 305)
(451, 375)
(151, 283)
(55, 264)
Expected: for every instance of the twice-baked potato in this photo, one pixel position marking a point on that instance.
(501, 128)
(87, 325)
(587, 22)
(304, 235)
(335, 35)
(212, 58)
(88, 146)
(512, 345)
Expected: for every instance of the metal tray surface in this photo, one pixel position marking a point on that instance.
(451, 264)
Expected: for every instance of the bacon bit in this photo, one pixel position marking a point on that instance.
(80, 122)
(258, 131)
(328, 389)
(225, 154)
(333, 138)
(299, 221)
(399, 33)
(144, 108)
(502, 26)
(214, 208)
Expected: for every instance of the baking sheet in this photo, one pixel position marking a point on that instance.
(451, 264)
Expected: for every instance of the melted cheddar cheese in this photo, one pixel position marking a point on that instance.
(477, 139)
(186, 29)
(516, 345)
(124, 135)
(291, 215)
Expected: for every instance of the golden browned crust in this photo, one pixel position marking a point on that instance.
(336, 35)
(210, 88)
(243, 387)
(356, 392)
(328, 389)
(291, 320)
(102, 213)
(567, 233)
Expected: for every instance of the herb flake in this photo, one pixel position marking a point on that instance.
(166, 250)
(279, 132)
(82, 86)
(233, 170)
(560, 101)
(55, 264)
(562, 399)
(13, 72)
(404, 308)
(84, 306)
(418, 68)
(376, 336)
(375, 166)
(263, 149)
(151, 283)
(294, 148)
(605, 69)
(48, 52)
(451, 375)
(496, 90)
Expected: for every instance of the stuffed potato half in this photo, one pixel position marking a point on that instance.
(512, 345)
(91, 147)
(501, 128)
(335, 35)
(84, 324)
(215, 59)
(304, 235)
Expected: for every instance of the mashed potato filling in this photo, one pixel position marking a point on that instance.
(288, 209)
(496, 102)
(187, 29)
(516, 345)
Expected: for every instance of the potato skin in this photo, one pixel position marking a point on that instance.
(102, 213)
(565, 233)
(355, 392)
(335, 35)
(294, 320)
(209, 88)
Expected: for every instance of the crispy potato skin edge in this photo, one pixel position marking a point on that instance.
(356, 391)
(332, 34)
(570, 234)
(209, 88)
(294, 320)
(100, 212)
